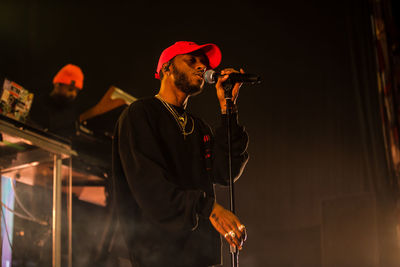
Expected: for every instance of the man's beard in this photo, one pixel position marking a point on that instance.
(182, 83)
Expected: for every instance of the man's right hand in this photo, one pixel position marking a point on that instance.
(228, 225)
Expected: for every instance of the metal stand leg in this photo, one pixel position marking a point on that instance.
(69, 211)
(57, 211)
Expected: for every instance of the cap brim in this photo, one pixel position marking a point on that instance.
(213, 54)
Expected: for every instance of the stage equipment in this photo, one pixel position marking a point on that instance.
(74, 173)
(41, 161)
(15, 101)
(95, 129)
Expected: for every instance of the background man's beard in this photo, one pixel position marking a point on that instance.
(182, 83)
(62, 101)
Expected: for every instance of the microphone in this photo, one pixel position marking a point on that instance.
(211, 76)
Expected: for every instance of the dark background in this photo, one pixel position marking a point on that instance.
(316, 190)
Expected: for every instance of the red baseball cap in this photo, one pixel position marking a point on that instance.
(212, 52)
(70, 74)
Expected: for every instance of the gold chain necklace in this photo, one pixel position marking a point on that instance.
(181, 120)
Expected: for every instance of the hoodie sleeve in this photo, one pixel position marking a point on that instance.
(240, 156)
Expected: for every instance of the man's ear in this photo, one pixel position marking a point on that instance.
(165, 68)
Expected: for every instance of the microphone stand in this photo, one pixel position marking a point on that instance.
(228, 86)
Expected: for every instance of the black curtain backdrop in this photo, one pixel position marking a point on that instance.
(316, 191)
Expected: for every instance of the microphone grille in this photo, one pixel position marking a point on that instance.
(209, 76)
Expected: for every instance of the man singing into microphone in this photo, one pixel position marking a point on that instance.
(166, 161)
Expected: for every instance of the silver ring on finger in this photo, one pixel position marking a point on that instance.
(232, 234)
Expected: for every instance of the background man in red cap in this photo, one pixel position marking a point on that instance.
(166, 161)
(56, 112)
